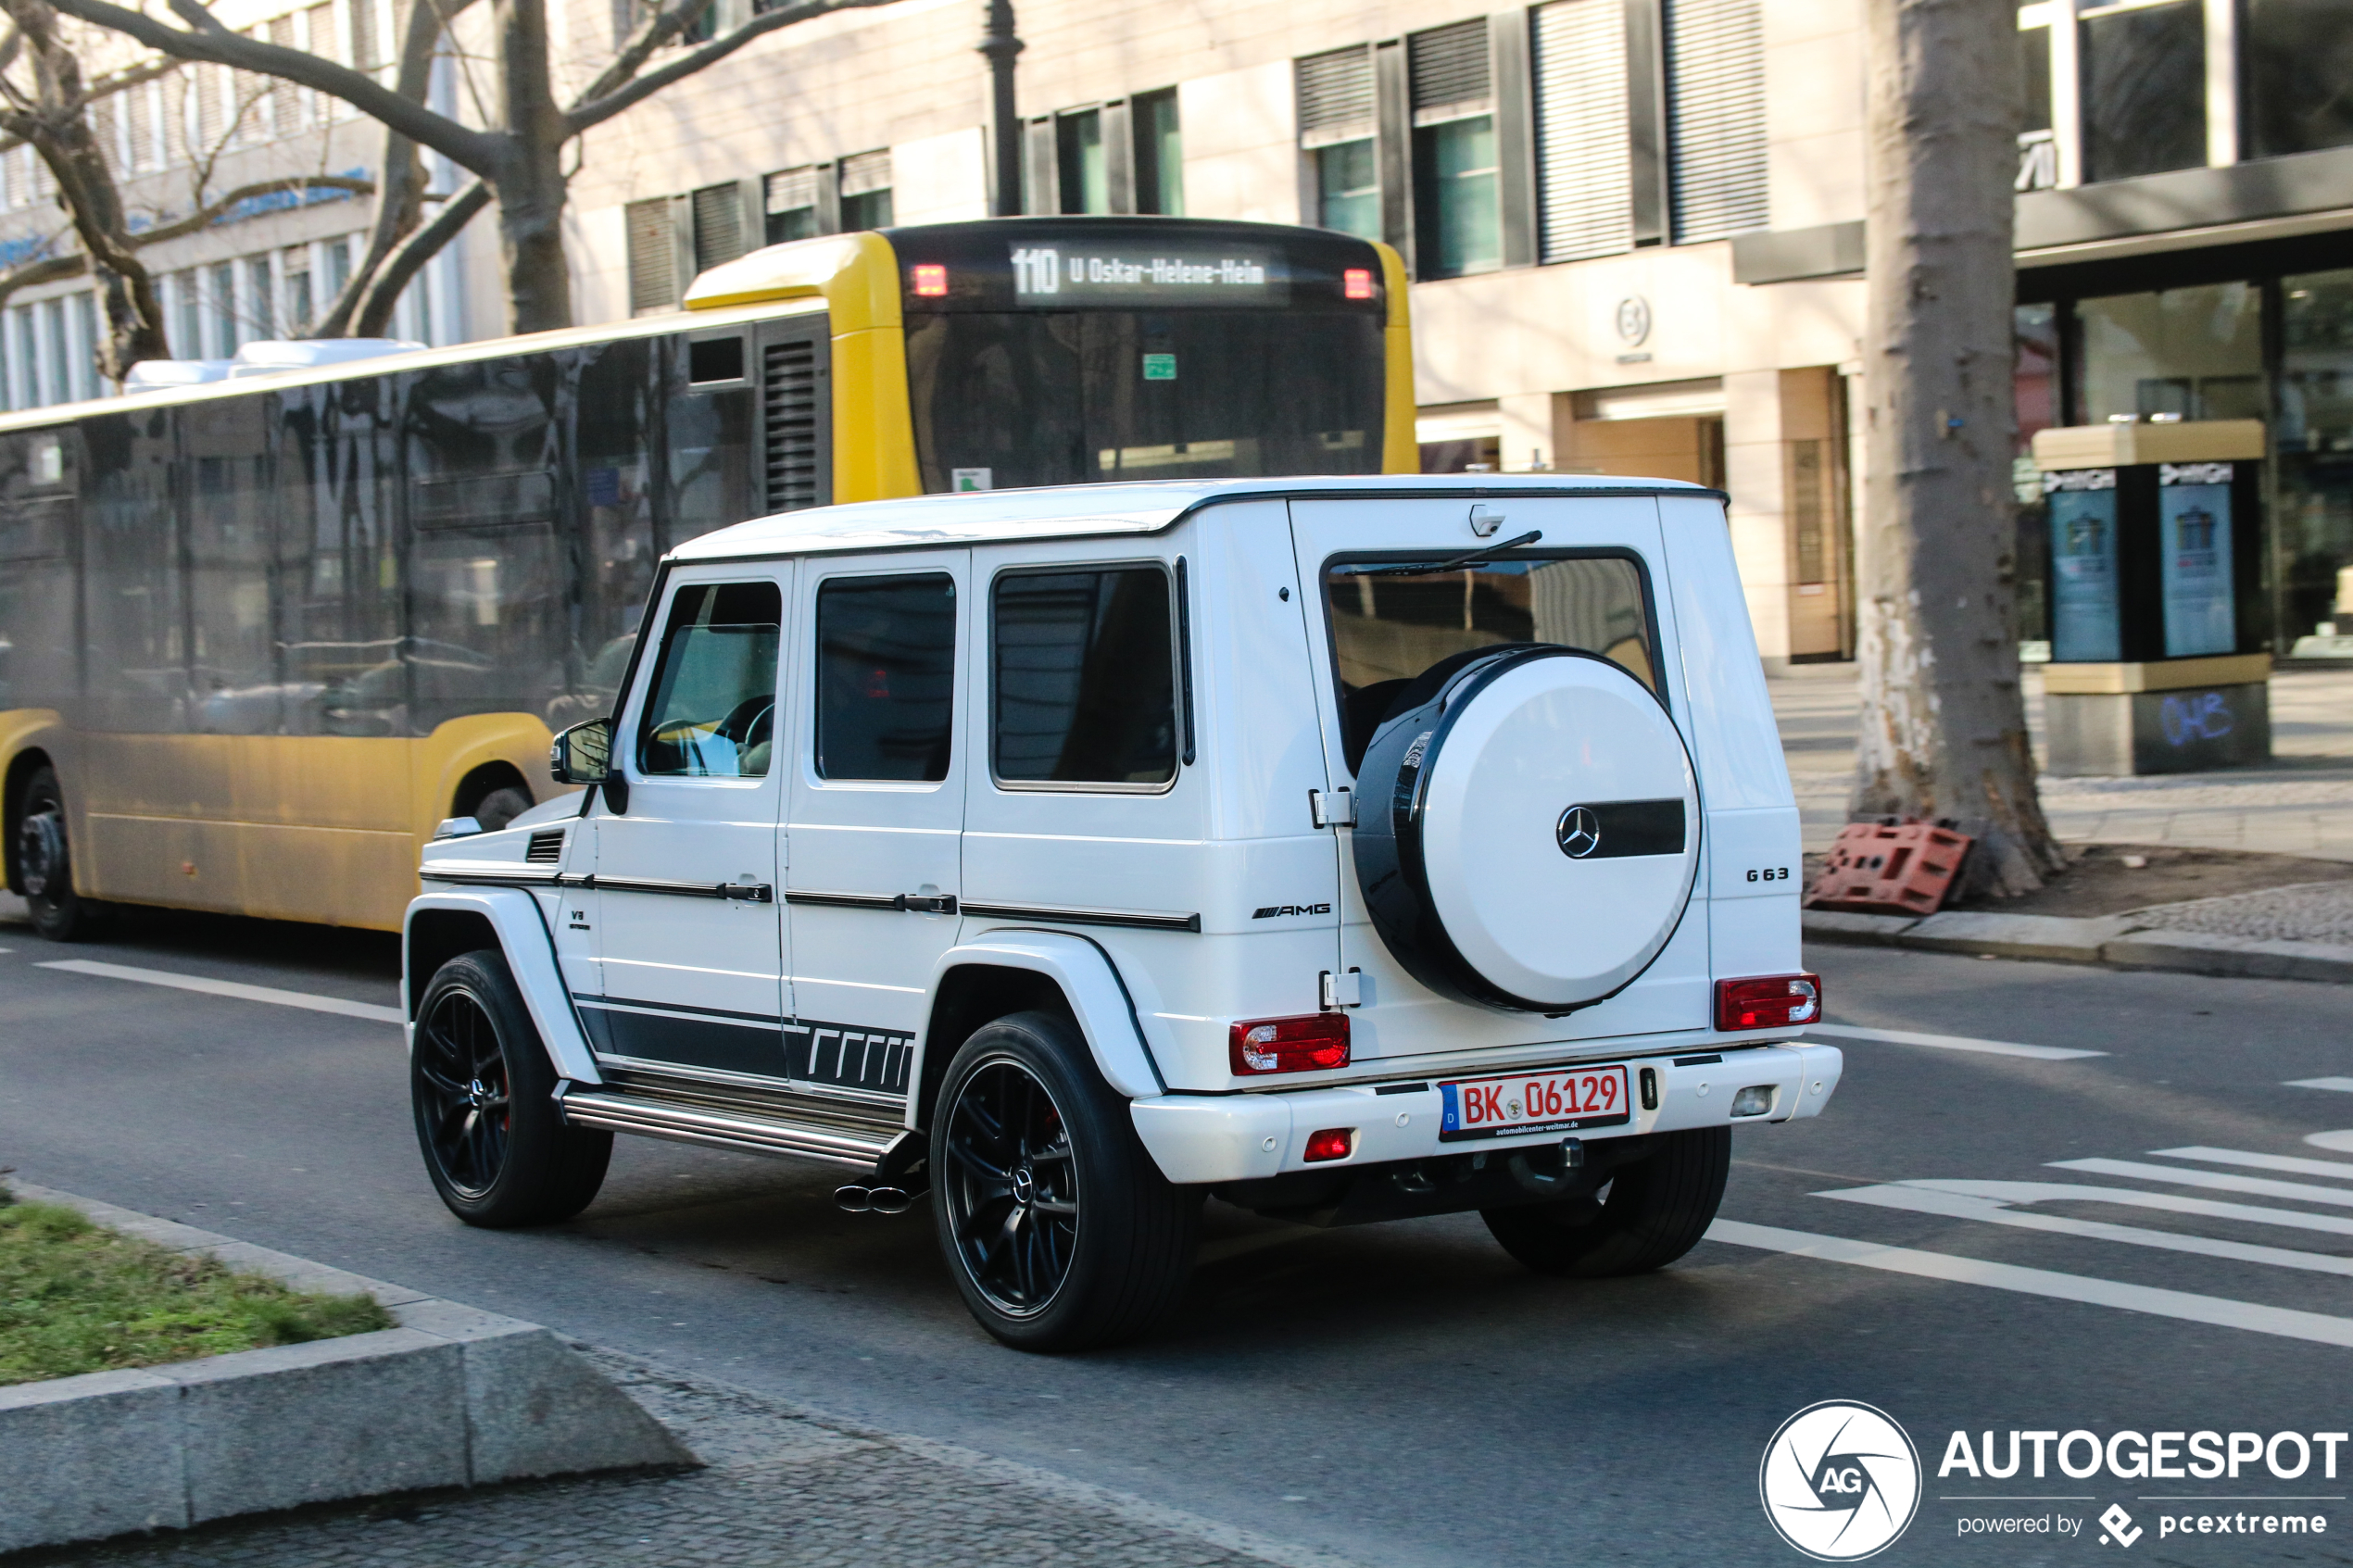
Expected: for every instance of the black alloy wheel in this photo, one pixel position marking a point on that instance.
(494, 1139)
(1011, 1187)
(464, 1104)
(1060, 1231)
(45, 864)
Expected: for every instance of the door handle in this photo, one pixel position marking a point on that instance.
(926, 904)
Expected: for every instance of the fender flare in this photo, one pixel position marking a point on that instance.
(1091, 983)
(530, 951)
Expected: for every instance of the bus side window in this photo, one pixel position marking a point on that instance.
(233, 680)
(338, 578)
(133, 593)
(710, 451)
(39, 661)
(615, 428)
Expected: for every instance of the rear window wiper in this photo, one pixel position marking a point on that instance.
(1476, 558)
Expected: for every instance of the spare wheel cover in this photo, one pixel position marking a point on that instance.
(1531, 834)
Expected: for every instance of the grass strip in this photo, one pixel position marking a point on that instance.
(76, 1298)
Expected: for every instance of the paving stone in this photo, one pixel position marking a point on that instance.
(782, 1490)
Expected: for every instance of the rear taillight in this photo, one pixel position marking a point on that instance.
(1774, 1001)
(1332, 1143)
(1311, 1044)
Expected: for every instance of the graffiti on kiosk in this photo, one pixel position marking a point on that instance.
(2195, 716)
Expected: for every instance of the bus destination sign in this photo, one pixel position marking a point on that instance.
(1045, 274)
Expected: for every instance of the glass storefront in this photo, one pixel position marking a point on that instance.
(2277, 349)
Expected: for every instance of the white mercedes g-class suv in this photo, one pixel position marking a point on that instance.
(1344, 849)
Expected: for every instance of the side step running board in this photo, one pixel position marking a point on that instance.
(630, 1113)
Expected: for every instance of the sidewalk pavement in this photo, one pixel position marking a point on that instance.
(2302, 804)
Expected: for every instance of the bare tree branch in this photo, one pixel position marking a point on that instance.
(105, 87)
(374, 313)
(597, 110)
(206, 40)
(211, 213)
(48, 269)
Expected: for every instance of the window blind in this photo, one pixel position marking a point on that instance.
(1716, 117)
(1583, 162)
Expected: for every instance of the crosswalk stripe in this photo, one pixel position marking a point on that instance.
(1988, 1210)
(2344, 1084)
(2134, 1198)
(2215, 1180)
(240, 991)
(2221, 1311)
(1948, 1042)
(2340, 1169)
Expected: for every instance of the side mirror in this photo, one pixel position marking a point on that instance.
(583, 754)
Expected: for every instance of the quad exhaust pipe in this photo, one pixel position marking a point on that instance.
(858, 1198)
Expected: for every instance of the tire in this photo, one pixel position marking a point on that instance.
(1656, 1209)
(500, 807)
(1060, 1231)
(484, 1093)
(44, 864)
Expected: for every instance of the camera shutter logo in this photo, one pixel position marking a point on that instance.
(1840, 1481)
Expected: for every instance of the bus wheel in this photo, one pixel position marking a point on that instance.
(1651, 1212)
(1060, 1232)
(44, 868)
(500, 807)
(495, 1144)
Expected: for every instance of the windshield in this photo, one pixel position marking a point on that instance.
(1392, 628)
(1002, 400)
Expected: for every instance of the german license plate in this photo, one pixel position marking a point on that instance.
(1562, 1101)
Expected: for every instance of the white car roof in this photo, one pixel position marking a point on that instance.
(1079, 510)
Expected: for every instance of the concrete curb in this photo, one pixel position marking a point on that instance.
(2117, 941)
(453, 1397)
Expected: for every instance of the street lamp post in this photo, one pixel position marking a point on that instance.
(1000, 44)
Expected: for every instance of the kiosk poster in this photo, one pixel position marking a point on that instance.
(2193, 517)
(2084, 623)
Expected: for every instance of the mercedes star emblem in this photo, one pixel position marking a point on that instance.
(1579, 833)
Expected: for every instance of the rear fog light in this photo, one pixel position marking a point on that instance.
(1332, 1143)
(1316, 1042)
(1775, 1002)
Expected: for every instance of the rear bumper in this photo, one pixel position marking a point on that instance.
(1201, 1139)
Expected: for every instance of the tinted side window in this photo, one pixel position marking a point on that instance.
(1083, 678)
(136, 607)
(886, 677)
(1394, 622)
(338, 576)
(713, 714)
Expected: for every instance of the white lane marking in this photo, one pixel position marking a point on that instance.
(243, 993)
(2301, 1191)
(2171, 1203)
(2221, 1311)
(1952, 1043)
(2344, 1084)
(2337, 1142)
(1989, 1210)
(2340, 1169)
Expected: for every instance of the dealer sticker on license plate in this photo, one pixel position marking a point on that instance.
(1534, 1102)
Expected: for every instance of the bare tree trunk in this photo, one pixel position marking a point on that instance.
(58, 125)
(1944, 729)
(532, 186)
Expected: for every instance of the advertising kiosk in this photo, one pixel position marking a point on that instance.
(2156, 665)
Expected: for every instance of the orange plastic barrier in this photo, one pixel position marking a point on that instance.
(1889, 868)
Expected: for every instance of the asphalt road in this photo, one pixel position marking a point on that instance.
(1399, 1394)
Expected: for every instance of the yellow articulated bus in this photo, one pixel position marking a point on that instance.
(260, 634)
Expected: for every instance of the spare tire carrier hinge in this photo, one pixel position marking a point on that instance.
(1331, 808)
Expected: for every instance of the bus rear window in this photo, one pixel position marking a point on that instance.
(1395, 621)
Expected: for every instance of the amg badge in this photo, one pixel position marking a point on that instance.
(1273, 910)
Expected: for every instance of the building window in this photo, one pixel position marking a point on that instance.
(1085, 178)
(338, 267)
(261, 297)
(300, 306)
(652, 240)
(794, 204)
(2297, 57)
(865, 191)
(55, 354)
(2037, 147)
(2144, 90)
(1716, 117)
(718, 214)
(1160, 153)
(1583, 158)
(187, 316)
(1455, 156)
(225, 336)
(1336, 126)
